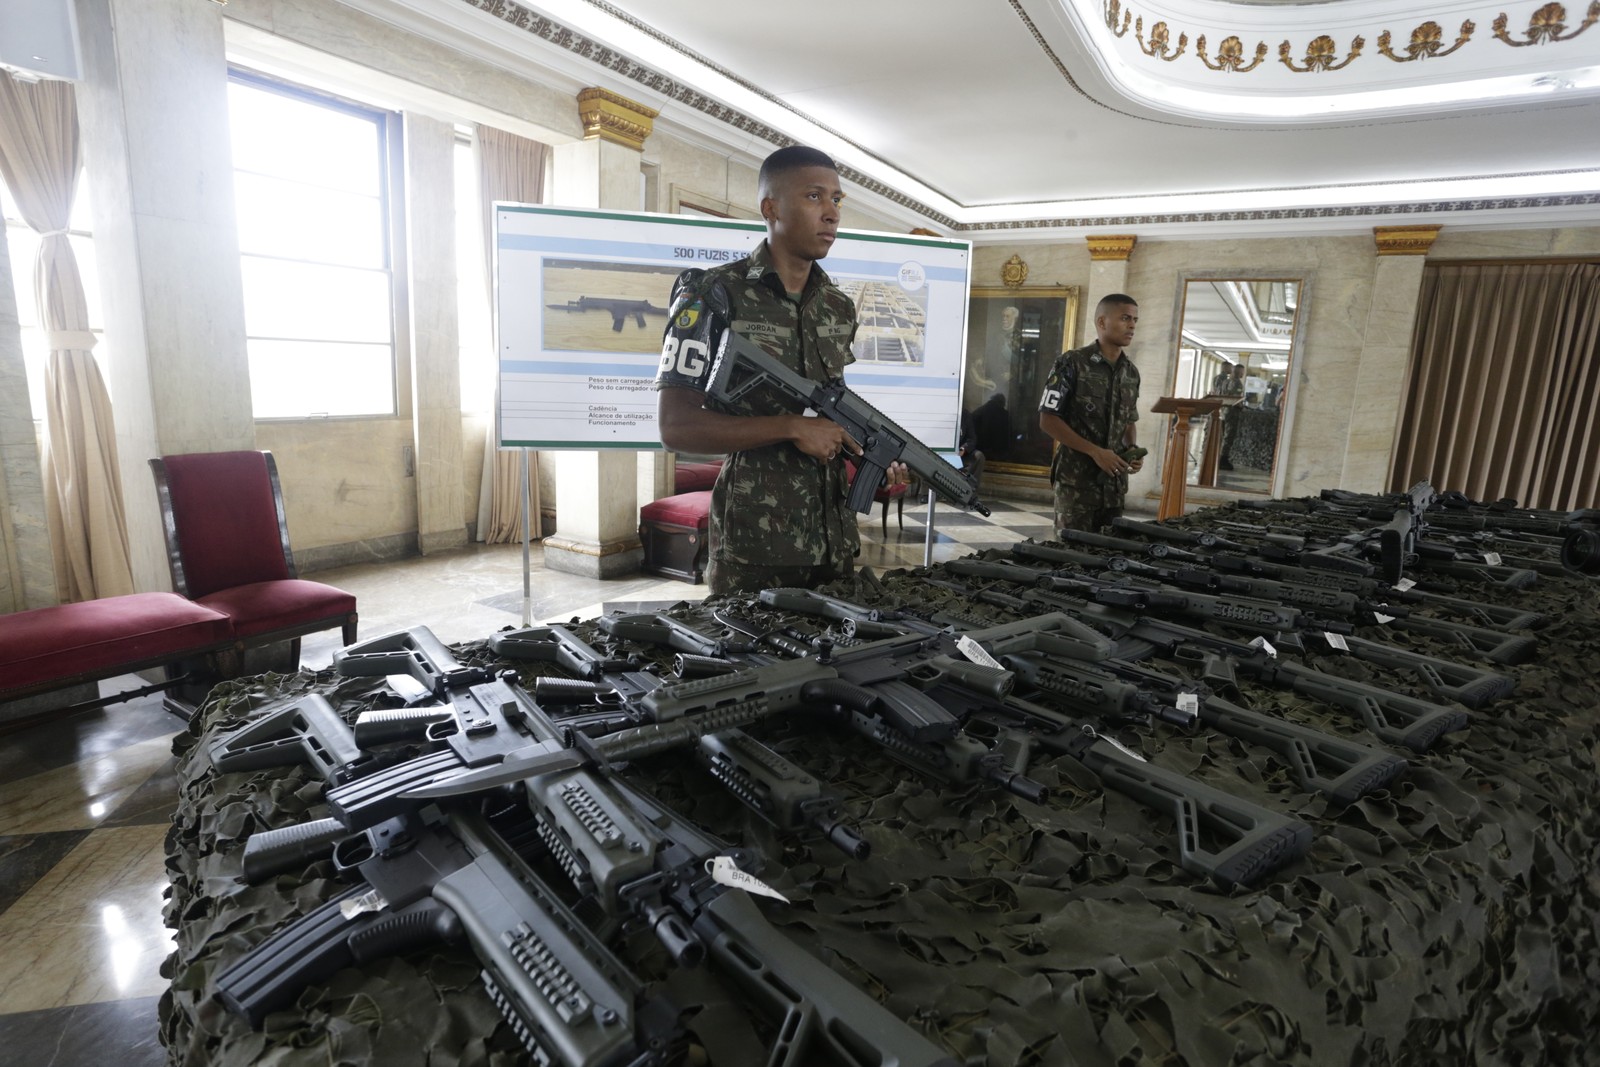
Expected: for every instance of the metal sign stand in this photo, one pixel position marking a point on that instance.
(527, 551)
(927, 547)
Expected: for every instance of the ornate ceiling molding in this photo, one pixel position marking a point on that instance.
(1111, 247)
(609, 116)
(621, 66)
(1405, 240)
(1328, 41)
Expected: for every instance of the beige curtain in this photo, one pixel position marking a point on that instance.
(83, 489)
(1503, 391)
(510, 168)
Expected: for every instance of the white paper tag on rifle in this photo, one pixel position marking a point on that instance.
(1264, 645)
(976, 652)
(725, 872)
(1336, 641)
(1122, 748)
(1188, 703)
(370, 901)
(1382, 618)
(1492, 558)
(1404, 584)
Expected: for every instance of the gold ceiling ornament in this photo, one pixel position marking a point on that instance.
(612, 117)
(1405, 240)
(1113, 246)
(1425, 42)
(1230, 54)
(923, 231)
(1547, 25)
(1159, 43)
(1323, 54)
(1013, 272)
(1113, 9)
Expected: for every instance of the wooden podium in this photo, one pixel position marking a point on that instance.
(1175, 472)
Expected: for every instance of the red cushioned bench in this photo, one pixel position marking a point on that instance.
(693, 477)
(673, 533)
(52, 648)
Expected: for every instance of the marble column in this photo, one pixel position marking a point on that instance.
(153, 107)
(435, 351)
(1385, 353)
(27, 568)
(597, 492)
(1108, 273)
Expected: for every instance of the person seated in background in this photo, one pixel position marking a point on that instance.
(991, 427)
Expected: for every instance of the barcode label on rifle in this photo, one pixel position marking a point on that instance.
(1492, 558)
(1188, 703)
(1404, 584)
(1337, 641)
(1382, 618)
(1264, 645)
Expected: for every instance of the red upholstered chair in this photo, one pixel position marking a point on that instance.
(228, 548)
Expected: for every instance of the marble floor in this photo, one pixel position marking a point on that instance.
(85, 800)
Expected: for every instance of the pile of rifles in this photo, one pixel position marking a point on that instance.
(499, 798)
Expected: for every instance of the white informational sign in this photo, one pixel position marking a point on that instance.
(581, 300)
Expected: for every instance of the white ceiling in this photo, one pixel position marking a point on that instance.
(1019, 118)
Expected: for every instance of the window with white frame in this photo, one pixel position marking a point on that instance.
(23, 245)
(312, 188)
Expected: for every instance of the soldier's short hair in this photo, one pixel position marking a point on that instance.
(792, 158)
(1114, 300)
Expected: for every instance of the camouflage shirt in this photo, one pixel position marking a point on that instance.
(773, 506)
(1099, 400)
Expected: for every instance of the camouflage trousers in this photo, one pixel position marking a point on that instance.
(725, 577)
(1084, 509)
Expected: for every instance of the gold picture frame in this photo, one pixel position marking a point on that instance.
(1013, 336)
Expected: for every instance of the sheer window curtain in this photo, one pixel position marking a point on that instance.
(1503, 393)
(83, 489)
(510, 168)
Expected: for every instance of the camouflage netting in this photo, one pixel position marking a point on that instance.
(1450, 918)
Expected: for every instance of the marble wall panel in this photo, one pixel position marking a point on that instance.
(344, 480)
(1455, 243)
(435, 344)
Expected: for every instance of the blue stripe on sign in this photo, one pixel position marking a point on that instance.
(588, 246)
(877, 269)
(854, 378)
(535, 366)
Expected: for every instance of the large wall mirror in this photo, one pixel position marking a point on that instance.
(1237, 342)
(1013, 336)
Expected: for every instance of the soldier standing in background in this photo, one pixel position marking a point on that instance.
(1090, 407)
(778, 509)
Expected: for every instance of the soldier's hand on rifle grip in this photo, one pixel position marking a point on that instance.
(897, 474)
(821, 438)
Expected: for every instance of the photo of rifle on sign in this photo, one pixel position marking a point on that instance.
(603, 307)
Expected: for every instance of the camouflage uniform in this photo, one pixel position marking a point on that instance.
(1099, 400)
(778, 516)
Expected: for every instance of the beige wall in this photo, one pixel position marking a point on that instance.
(364, 505)
(1348, 321)
(348, 491)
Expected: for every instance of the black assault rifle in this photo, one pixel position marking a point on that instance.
(619, 309)
(741, 366)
